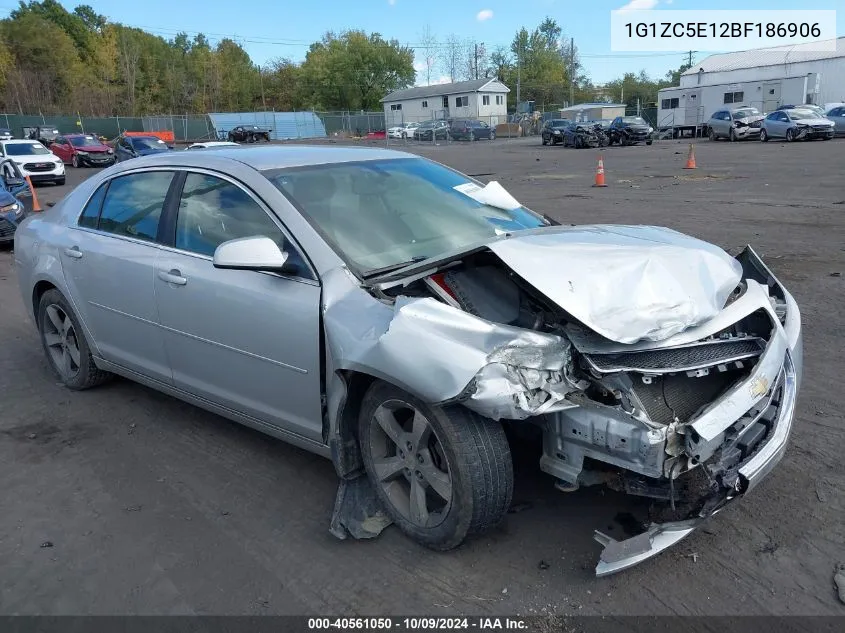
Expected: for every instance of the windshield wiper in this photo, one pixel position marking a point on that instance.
(375, 272)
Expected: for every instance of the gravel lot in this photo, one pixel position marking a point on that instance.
(120, 500)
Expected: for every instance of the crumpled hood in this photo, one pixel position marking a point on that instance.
(627, 283)
(814, 121)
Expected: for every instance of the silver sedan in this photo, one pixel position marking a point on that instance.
(395, 316)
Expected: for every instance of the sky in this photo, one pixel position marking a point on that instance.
(270, 29)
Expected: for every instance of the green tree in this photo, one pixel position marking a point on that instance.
(353, 70)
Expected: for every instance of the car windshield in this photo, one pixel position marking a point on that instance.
(25, 149)
(384, 213)
(149, 143)
(635, 120)
(558, 123)
(84, 141)
(745, 112)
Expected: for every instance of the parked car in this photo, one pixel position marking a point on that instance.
(735, 123)
(402, 131)
(630, 130)
(585, 135)
(83, 150)
(34, 160)
(796, 125)
(432, 129)
(552, 131)
(837, 115)
(6, 134)
(393, 314)
(211, 144)
(134, 146)
(15, 200)
(44, 134)
(470, 130)
(248, 134)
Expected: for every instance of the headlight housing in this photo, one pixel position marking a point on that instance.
(81, 153)
(16, 206)
(109, 151)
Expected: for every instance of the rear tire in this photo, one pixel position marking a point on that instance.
(712, 135)
(545, 141)
(417, 455)
(764, 137)
(732, 136)
(64, 343)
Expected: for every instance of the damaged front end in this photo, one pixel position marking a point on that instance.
(651, 362)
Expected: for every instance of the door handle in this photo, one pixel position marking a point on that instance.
(172, 277)
(73, 252)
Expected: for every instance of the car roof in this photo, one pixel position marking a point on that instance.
(269, 157)
(21, 141)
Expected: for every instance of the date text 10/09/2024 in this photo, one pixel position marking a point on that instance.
(722, 30)
(418, 624)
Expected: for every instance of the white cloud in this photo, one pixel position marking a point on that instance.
(636, 5)
(391, 2)
(484, 15)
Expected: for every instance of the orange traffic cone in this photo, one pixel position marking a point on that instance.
(691, 158)
(35, 205)
(600, 174)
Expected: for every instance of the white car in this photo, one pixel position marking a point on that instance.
(403, 131)
(34, 160)
(209, 144)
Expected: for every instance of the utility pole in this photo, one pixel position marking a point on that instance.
(261, 80)
(571, 71)
(476, 60)
(518, 72)
(689, 59)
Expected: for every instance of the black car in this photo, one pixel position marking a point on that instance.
(248, 134)
(471, 130)
(15, 200)
(585, 134)
(630, 130)
(553, 131)
(44, 134)
(429, 129)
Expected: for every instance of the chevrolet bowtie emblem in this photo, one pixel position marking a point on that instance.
(759, 386)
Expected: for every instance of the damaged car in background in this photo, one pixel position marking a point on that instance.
(396, 316)
(740, 122)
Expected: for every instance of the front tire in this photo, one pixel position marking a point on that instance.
(764, 137)
(790, 135)
(65, 345)
(732, 135)
(75, 161)
(441, 474)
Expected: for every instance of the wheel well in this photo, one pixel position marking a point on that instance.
(346, 453)
(40, 288)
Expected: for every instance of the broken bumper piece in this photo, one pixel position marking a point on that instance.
(619, 555)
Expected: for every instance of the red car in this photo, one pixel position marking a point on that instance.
(82, 150)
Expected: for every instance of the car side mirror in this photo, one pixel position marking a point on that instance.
(13, 181)
(252, 253)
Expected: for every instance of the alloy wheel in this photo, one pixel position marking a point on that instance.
(61, 340)
(410, 464)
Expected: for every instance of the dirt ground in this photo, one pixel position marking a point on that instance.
(120, 500)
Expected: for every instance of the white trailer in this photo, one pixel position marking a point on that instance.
(684, 111)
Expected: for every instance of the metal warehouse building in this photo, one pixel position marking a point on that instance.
(485, 99)
(765, 78)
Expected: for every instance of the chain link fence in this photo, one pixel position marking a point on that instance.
(185, 127)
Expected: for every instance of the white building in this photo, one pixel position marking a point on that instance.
(482, 99)
(593, 111)
(765, 78)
